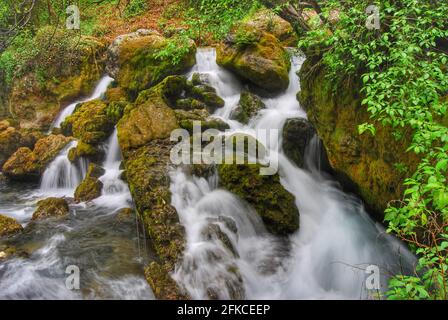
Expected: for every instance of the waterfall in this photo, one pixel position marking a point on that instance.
(97, 93)
(61, 175)
(325, 259)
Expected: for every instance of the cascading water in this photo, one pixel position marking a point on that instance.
(97, 93)
(229, 254)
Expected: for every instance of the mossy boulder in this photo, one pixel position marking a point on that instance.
(365, 164)
(211, 123)
(85, 150)
(9, 226)
(28, 165)
(275, 205)
(51, 207)
(134, 63)
(91, 187)
(163, 286)
(89, 123)
(72, 66)
(248, 107)
(12, 139)
(297, 134)
(263, 62)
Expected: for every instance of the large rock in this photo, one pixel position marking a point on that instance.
(89, 123)
(72, 66)
(26, 164)
(297, 134)
(12, 139)
(51, 207)
(9, 226)
(269, 198)
(248, 107)
(91, 187)
(365, 163)
(262, 60)
(133, 63)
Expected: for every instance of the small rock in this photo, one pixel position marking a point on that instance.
(51, 207)
(9, 226)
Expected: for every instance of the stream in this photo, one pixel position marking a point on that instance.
(325, 259)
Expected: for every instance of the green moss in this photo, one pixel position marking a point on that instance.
(9, 226)
(85, 150)
(248, 106)
(51, 207)
(163, 286)
(273, 203)
(91, 187)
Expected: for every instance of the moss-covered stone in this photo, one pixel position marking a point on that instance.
(163, 286)
(364, 163)
(51, 207)
(248, 107)
(91, 187)
(297, 134)
(85, 150)
(29, 165)
(264, 62)
(12, 139)
(9, 226)
(136, 65)
(36, 101)
(212, 123)
(89, 123)
(273, 203)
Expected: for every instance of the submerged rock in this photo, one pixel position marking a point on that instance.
(9, 226)
(248, 106)
(51, 207)
(91, 187)
(275, 205)
(257, 57)
(133, 60)
(28, 165)
(297, 134)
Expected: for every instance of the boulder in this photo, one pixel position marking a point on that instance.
(51, 207)
(248, 107)
(9, 226)
(89, 123)
(12, 139)
(364, 164)
(259, 58)
(28, 165)
(133, 60)
(275, 205)
(85, 150)
(163, 286)
(91, 187)
(297, 134)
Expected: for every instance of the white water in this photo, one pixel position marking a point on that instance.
(325, 259)
(97, 93)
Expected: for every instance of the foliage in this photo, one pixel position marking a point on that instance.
(176, 49)
(404, 78)
(135, 8)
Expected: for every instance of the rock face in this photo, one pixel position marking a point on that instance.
(29, 165)
(35, 102)
(51, 207)
(256, 56)
(248, 106)
(297, 134)
(273, 203)
(12, 139)
(365, 163)
(9, 226)
(90, 188)
(133, 63)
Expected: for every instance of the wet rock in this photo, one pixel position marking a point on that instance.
(125, 214)
(133, 63)
(275, 205)
(87, 151)
(211, 123)
(91, 187)
(9, 226)
(297, 134)
(163, 286)
(248, 107)
(262, 61)
(213, 232)
(51, 207)
(89, 123)
(200, 78)
(28, 165)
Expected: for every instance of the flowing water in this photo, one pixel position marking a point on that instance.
(103, 245)
(229, 253)
(327, 258)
